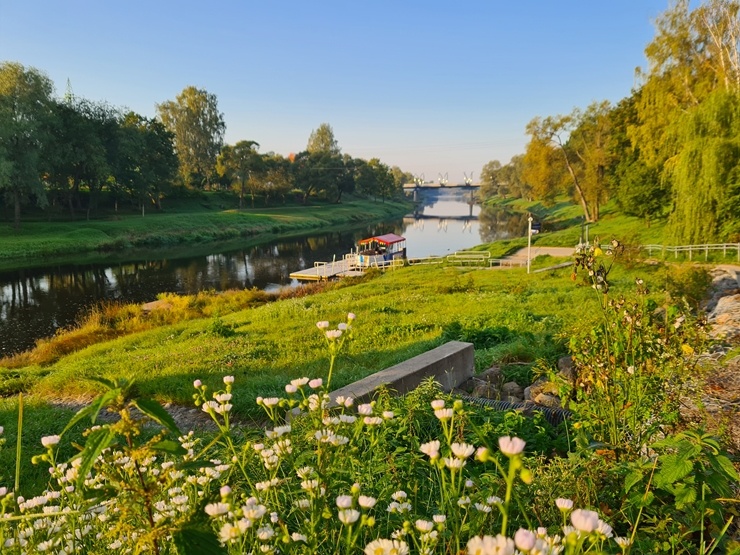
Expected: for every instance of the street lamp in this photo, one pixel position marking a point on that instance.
(529, 242)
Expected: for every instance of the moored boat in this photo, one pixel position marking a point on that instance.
(381, 250)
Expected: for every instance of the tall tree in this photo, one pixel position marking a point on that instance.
(198, 127)
(322, 140)
(489, 180)
(25, 113)
(241, 164)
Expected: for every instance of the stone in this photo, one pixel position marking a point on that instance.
(547, 400)
(512, 392)
(535, 389)
(566, 369)
(486, 390)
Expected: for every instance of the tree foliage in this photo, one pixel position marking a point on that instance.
(322, 140)
(198, 127)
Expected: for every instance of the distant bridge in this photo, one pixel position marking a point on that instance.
(438, 185)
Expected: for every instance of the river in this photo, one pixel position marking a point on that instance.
(35, 303)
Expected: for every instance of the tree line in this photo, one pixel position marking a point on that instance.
(64, 153)
(669, 150)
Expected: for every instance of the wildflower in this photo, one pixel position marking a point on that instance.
(290, 389)
(687, 349)
(623, 542)
(225, 491)
(604, 529)
(469, 483)
(372, 420)
(439, 519)
(424, 525)
(366, 502)
(315, 383)
(388, 414)
(564, 505)
(463, 501)
(462, 450)
(482, 454)
(215, 509)
(431, 449)
(483, 508)
(265, 533)
(343, 326)
(584, 520)
(333, 334)
(365, 409)
(296, 537)
(387, 547)
(443, 414)
(349, 516)
(453, 464)
(400, 494)
(494, 500)
(524, 540)
(228, 380)
(344, 501)
(197, 384)
(299, 382)
(50, 441)
(322, 325)
(351, 316)
(438, 404)
(270, 402)
(488, 545)
(511, 446)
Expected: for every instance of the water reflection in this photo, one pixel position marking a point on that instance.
(36, 302)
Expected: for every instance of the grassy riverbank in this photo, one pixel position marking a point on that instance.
(38, 241)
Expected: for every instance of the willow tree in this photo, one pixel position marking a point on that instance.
(705, 174)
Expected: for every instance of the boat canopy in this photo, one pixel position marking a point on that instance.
(387, 239)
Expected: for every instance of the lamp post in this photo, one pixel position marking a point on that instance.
(529, 241)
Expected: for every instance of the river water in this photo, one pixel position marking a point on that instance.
(35, 303)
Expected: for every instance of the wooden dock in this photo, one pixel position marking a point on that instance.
(328, 270)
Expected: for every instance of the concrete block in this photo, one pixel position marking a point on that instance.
(450, 364)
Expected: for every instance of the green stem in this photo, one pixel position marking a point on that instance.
(18, 446)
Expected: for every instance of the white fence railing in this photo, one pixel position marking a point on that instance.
(694, 250)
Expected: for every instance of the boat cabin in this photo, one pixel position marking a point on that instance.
(380, 250)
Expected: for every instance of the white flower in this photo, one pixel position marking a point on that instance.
(197, 384)
(322, 325)
(483, 508)
(604, 529)
(463, 501)
(564, 505)
(348, 516)
(365, 409)
(351, 316)
(438, 404)
(511, 446)
(584, 520)
(623, 542)
(488, 545)
(443, 414)
(214, 509)
(399, 495)
(225, 491)
(344, 501)
(366, 502)
(333, 334)
(431, 449)
(424, 525)
(453, 464)
(296, 537)
(299, 382)
(388, 414)
(386, 547)
(50, 441)
(524, 539)
(439, 519)
(343, 326)
(265, 533)
(372, 420)
(315, 383)
(494, 500)
(290, 388)
(462, 450)
(228, 380)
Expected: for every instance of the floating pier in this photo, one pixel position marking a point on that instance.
(328, 270)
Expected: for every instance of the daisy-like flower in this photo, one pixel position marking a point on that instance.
(265, 533)
(351, 316)
(524, 540)
(564, 505)
(444, 414)
(215, 509)
(197, 384)
(344, 501)
(431, 449)
(623, 542)
(439, 519)
(488, 545)
(604, 529)
(438, 404)
(584, 520)
(322, 325)
(290, 388)
(366, 409)
(315, 383)
(399, 495)
(348, 516)
(511, 446)
(228, 380)
(50, 441)
(389, 414)
(387, 547)
(372, 420)
(424, 525)
(483, 508)
(299, 382)
(296, 537)
(462, 450)
(333, 334)
(366, 502)
(453, 463)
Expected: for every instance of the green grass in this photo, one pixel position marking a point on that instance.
(39, 240)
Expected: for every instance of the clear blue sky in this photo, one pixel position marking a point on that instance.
(431, 86)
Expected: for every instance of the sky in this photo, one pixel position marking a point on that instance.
(438, 88)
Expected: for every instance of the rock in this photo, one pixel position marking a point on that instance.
(492, 375)
(512, 392)
(547, 400)
(566, 369)
(535, 389)
(485, 390)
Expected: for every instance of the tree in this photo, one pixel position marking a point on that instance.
(198, 127)
(511, 180)
(489, 177)
(322, 140)
(241, 164)
(25, 113)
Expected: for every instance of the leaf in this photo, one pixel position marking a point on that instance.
(170, 446)
(672, 468)
(196, 541)
(107, 383)
(156, 412)
(684, 496)
(722, 464)
(97, 441)
(92, 410)
(631, 479)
